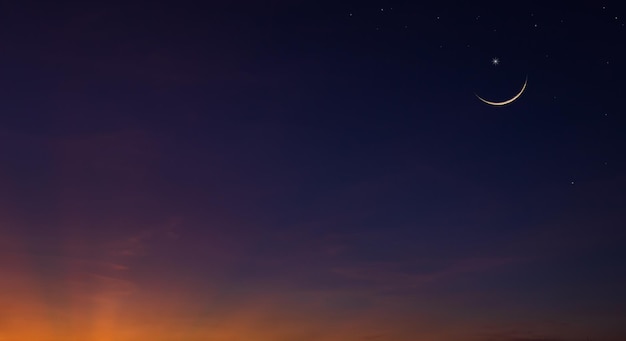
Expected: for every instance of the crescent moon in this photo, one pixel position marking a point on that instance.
(508, 100)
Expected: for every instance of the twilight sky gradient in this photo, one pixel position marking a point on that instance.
(312, 171)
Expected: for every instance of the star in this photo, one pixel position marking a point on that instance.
(495, 61)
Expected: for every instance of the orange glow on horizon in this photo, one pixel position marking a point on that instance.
(99, 308)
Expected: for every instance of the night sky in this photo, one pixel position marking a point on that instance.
(312, 171)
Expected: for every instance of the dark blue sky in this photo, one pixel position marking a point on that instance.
(312, 171)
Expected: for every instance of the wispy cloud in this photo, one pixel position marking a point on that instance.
(392, 275)
(138, 244)
(513, 338)
(520, 335)
(536, 339)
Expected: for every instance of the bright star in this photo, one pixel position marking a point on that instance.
(495, 61)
